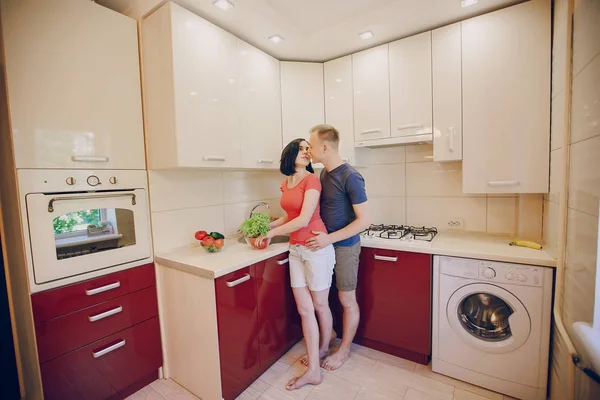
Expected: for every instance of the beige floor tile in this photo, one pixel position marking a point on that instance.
(255, 390)
(461, 394)
(414, 394)
(170, 390)
(282, 380)
(379, 377)
(275, 393)
(334, 388)
(426, 371)
(367, 394)
(420, 382)
(273, 373)
(146, 393)
(383, 357)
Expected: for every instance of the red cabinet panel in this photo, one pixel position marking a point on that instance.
(237, 316)
(279, 323)
(56, 302)
(60, 335)
(120, 359)
(394, 294)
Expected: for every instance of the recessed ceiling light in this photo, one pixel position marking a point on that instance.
(276, 39)
(366, 35)
(224, 5)
(467, 3)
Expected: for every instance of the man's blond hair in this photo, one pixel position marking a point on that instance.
(327, 133)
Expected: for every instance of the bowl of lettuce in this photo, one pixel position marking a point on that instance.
(255, 226)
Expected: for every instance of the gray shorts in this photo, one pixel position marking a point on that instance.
(346, 267)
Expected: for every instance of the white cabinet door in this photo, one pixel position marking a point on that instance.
(447, 93)
(506, 100)
(339, 107)
(410, 86)
(73, 81)
(260, 108)
(301, 99)
(206, 92)
(371, 94)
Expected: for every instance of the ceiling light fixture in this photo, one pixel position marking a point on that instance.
(467, 3)
(276, 39)
(224, 5)
(366, 35)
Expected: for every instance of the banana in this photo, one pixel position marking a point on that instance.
(526, 243)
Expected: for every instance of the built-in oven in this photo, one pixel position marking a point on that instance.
(81, 224)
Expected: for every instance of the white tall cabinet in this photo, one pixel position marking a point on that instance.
(339, 103)
(506, 100)
(410, 86)
(73, 80)
(447, 93)
(302, 98)
(370, 71)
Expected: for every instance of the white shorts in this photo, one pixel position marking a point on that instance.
(311, 268)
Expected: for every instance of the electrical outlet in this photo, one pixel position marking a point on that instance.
(456, 223)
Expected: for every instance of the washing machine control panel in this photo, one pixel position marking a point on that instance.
(510, 273)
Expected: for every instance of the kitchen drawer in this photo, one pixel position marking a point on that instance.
(60, 335)
(56, 302)
(87, 374)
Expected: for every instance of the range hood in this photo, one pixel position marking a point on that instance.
(396, 141)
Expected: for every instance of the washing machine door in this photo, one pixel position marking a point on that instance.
(488, 318)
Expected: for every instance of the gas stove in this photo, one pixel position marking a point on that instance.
(412, 234)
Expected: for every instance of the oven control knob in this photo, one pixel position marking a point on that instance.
(113, 180)
(489, 273)
(93, 180)
(523, 278)
(70, 181)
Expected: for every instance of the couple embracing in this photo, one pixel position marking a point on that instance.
(323, 217)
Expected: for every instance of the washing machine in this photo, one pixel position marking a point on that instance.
(491, 324)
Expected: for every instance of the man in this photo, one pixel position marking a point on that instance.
(345, 212)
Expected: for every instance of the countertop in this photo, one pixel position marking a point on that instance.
(235, 255)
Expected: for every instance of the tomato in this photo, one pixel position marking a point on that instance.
(200, 235)
(208, 241)
(219, 243)
(263, 245)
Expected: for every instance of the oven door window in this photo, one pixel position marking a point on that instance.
(90, 231)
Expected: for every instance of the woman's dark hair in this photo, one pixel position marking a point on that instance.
(287, 164)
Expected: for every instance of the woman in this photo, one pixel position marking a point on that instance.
(310, 271)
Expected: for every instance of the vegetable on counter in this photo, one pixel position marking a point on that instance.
(526, 243)
(255, 226)
(211, 242)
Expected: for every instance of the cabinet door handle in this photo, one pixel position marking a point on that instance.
(409, 126)
(282, 262)
(213, 158)
(89, 159)
(107, 350)
(98, 317)
(385, 258)
(451, 140)
(503, 183)
(264, 161)
(370, 131)
(101, 289)
(243, 279)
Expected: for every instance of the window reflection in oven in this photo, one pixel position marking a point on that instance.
(91, 231)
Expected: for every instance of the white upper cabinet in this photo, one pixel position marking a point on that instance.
(260, 108)
(371, 81)
(73, 80)
(339, 104)
(302, 96)
(410, 86)
(447, 93)
(191, 91)
(506, 100)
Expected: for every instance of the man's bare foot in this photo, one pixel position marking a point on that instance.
(336, 360)
(309, 378)
(322, 353)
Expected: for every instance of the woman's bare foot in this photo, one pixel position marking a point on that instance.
(336, 360)
(310, 377)
(322, 352)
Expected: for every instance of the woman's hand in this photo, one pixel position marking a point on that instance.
(261, 239)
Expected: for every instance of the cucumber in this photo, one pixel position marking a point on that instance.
(217, 235)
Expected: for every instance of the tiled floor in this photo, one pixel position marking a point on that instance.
(367, 375)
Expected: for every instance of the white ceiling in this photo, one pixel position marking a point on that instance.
(320, 30)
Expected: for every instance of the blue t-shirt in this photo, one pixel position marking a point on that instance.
(342, 187)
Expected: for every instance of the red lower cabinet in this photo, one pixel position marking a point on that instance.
(104, 369)
(237, 316)
(394, 295)
(280, 326)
